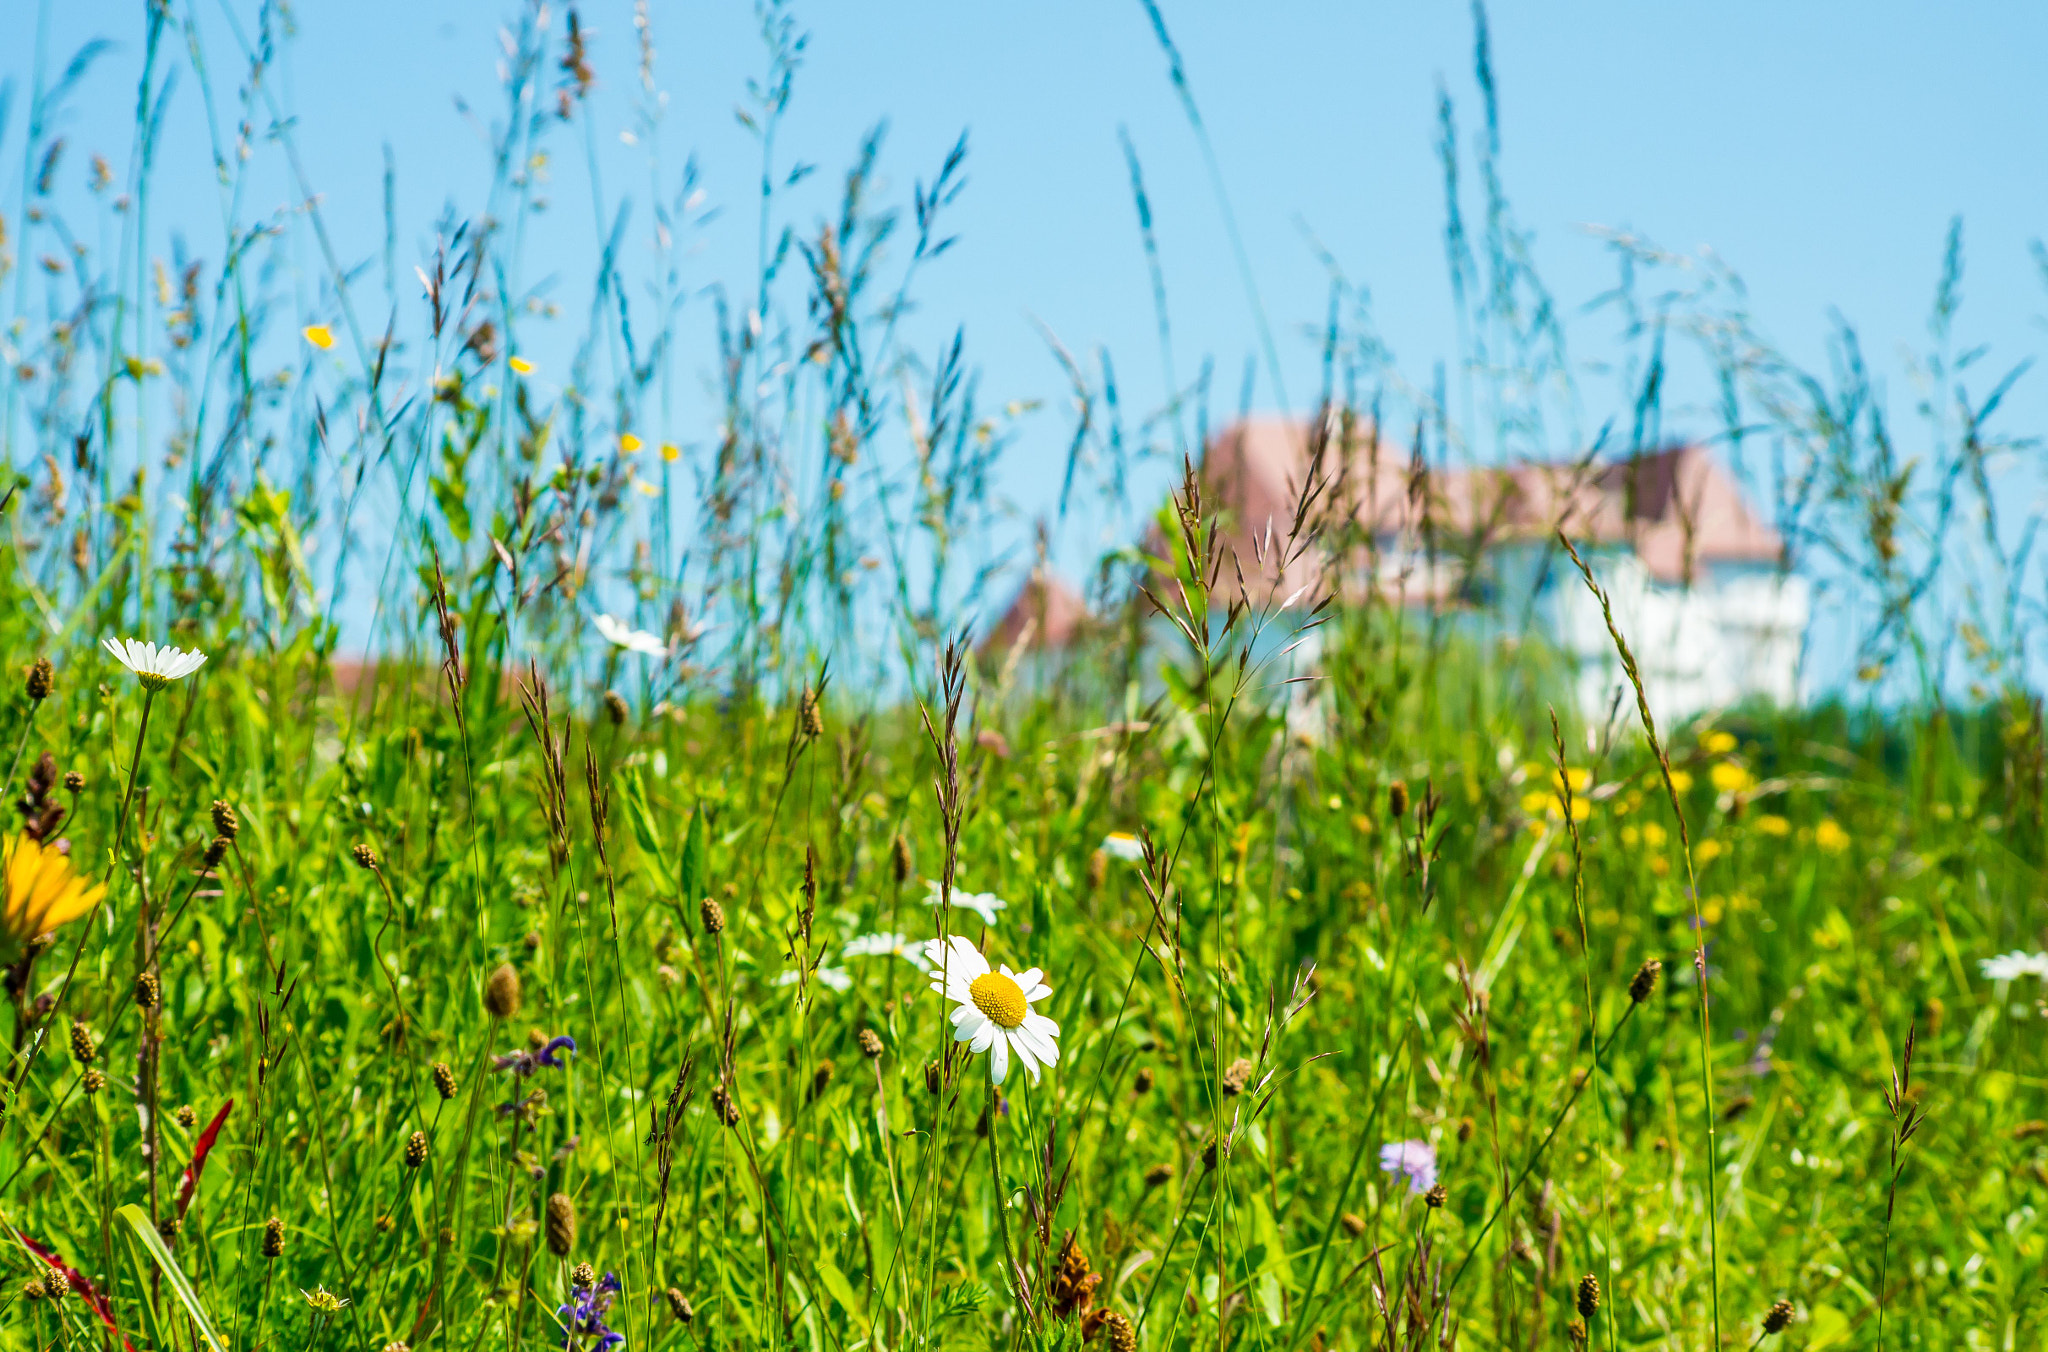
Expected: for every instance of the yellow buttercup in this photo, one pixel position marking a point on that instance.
(42, 890)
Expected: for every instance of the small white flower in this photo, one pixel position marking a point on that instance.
(983, 904)
(2013, 965)
(886, 945)
(838, 978)
(155, 667)
(1123, 845)
(622, 635)
(993, 1011)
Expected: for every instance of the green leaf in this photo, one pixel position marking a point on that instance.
(835, 1282)
(153, 1243)
(696, 868)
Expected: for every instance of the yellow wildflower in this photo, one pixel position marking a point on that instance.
(521, 366)
(629, 444)
(1718, 743)
(1771, 824)
(1707, 851)
(42, 891)
(1728, 777)
(1654, 835)
(671, 452)
(319, 335)
(1830, 836)
(1681, 780)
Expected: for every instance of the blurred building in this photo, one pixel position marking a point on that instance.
(1696, 578)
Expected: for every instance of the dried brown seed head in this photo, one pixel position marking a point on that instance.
(1397, 800)
(679, 1306)
(444, 1080)
(92, 1081)
(1588, 1297)
(615, 708)
(713, 916)
(1236, 1076)
(501, 991)
(42, 679)
(216, 850)
(83, 1048)
(561, 1224)
(1354, 1224)
(74, 781)
(870, 1043)
(1436, 1197)
(1158, 1175)
(365, 855)
(583, 1274)
(225, 823)
(1141, 1083)
(416, 1150)
(149, 992)
(1645, 981)
(899, 859)
(1779, 1317)
(273, 1238)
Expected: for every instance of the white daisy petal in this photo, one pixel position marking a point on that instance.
(983, 1038)
(998, 1059)
(1045, 1026)
(1033, 994)
(1029, 977)
(1026, 1054)
(1041, 1044)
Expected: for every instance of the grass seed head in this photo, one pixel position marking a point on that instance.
(615, 708)
(934, 1079)
(561, 1226)
(679, 1306)
(42, 679)
(899, 859)
(444, 1080)
(33, 1289)
(1397, 800)
(1778, 1318)
(1354, 1224)
(149, 993)
(1436, 1197)
(416, 1150)
(1588, 1298)
(722, 1103)
(501, 991)
(185, 1116)
(870, 1043)
(1158, 1175)
(713, 916)
(273, 1238)
(225, 823)
(92, 1081)
(216, 850)
(1236, 1076)
(83, 1048)
(365, 855)
(74, 781)
(1645, 981)
(583, 1274)
(1141, 1083)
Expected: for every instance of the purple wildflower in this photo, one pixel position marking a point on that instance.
(526, 1061)
(584, 1316)
(1414, 1159)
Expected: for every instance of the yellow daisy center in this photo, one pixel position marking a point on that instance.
(1000, 998)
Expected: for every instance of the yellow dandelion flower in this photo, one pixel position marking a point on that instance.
(1681, 780)
(671, 452)
(1830, 836)
(1708, 851)
(1654, 835)
(42, 891)
(1718, 743)
(520, 366)
(1771, 824)
(1536, 802)
(319, 335)
(1728, 777)
(629, 444)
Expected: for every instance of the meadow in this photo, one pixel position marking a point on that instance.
(676, 926)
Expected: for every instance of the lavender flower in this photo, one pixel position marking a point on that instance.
(524, 1063)
(583, 1317)
(1415, 1159)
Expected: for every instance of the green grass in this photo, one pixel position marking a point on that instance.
(1410, 926)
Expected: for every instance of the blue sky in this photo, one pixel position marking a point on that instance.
(1819, 149)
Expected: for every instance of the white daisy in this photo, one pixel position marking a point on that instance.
(622, 635)
(983, 904)
(2011, 966)
(1123, 845)
(993, 1011)
(886, 945)
(155, 667)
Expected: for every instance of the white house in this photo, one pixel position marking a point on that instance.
(1696, 579)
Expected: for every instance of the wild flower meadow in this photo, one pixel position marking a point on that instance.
(678, 924)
